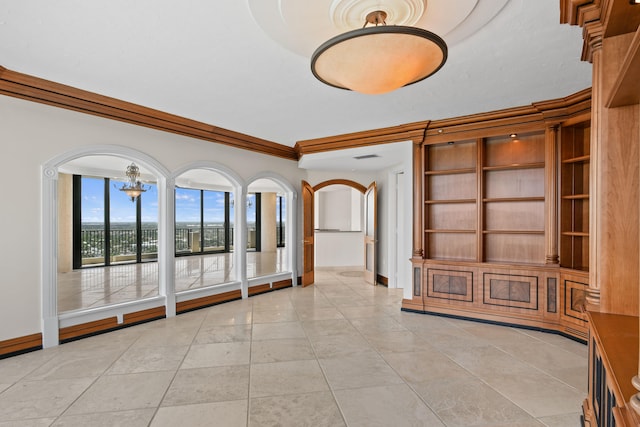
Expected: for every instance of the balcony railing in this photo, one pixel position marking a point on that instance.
(123, 242)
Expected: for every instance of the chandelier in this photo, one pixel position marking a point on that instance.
(134, 187)
(380, 58)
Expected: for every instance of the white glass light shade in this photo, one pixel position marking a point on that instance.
(379, 59)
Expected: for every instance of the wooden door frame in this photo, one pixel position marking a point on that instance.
(361, 188)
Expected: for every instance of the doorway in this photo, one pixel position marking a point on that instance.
(339, 220)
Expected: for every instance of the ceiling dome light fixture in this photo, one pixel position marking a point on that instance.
(378, 59)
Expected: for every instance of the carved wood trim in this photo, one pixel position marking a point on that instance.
(361, 188)
(43, 91)
(407, 132)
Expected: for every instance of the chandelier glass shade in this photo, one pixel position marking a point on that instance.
(133, 188)
(380, 59)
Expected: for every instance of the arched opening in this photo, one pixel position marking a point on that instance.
(270, 221)
(205, 226)
(339, 218)
(101, 259)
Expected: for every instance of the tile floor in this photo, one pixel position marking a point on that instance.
(339, 353)
(100, 286)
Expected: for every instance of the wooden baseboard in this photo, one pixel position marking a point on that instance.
(259, 289)
(71, 333)
(20, 345)
(83, 330)
(282, 284)
(145, 315)
(197, 303)
(381, 280)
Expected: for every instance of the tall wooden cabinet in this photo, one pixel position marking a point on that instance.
(611, 32)
(493, 209)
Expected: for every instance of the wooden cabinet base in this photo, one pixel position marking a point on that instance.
(538, 297)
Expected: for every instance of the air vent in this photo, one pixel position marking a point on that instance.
(366, 156)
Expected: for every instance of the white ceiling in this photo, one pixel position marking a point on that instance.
(212, 61)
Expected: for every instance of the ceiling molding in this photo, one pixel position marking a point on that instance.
(521, 119)
(43, 91)
(599, 19)
(407, 132)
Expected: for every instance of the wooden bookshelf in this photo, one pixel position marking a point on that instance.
(575, 142)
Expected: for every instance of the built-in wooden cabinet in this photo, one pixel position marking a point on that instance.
(451, 208)
(574, 193)
(513, 198)
(505, 218)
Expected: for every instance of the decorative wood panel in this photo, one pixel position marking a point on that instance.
(450, 284)
(552, 294)
(575, 299)
(509, 290)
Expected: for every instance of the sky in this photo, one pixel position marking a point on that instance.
(124, 210)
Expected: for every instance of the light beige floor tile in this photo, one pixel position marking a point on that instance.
(39, 422)
(302, 410)
(15, 368)
(544, 356)
(284, 378)
(363, 370)
(149, 359)
(77, 364)
(281, 350)
(272, 331)
(40, 399)
(217, 354)
(134, 418)
(167, 335)
(314, 313)
(328, 327)
(537, 393)
(397, 341)
(564, 420)
(384, 406)
(227, 414)
(113, 393)
(227, 317)
(274, 316)
(208, 385)
(469, 402)
(422, 366)
(224, 333)
(328, 346)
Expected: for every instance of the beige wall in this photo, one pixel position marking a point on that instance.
(33, 134)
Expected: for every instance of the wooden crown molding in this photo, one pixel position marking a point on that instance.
(599, 19)
(407, 132)
(521, 119)
(43, 91)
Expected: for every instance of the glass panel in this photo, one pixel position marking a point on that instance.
(231, 220)
(122, 218)
(92, 221)
(187, 221)
(213, 220)
(149, 218)
(251, 221)
(370, 229)
(281, 219)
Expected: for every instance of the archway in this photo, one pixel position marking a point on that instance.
(97, 159)
(271, 230)
(327, 229)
